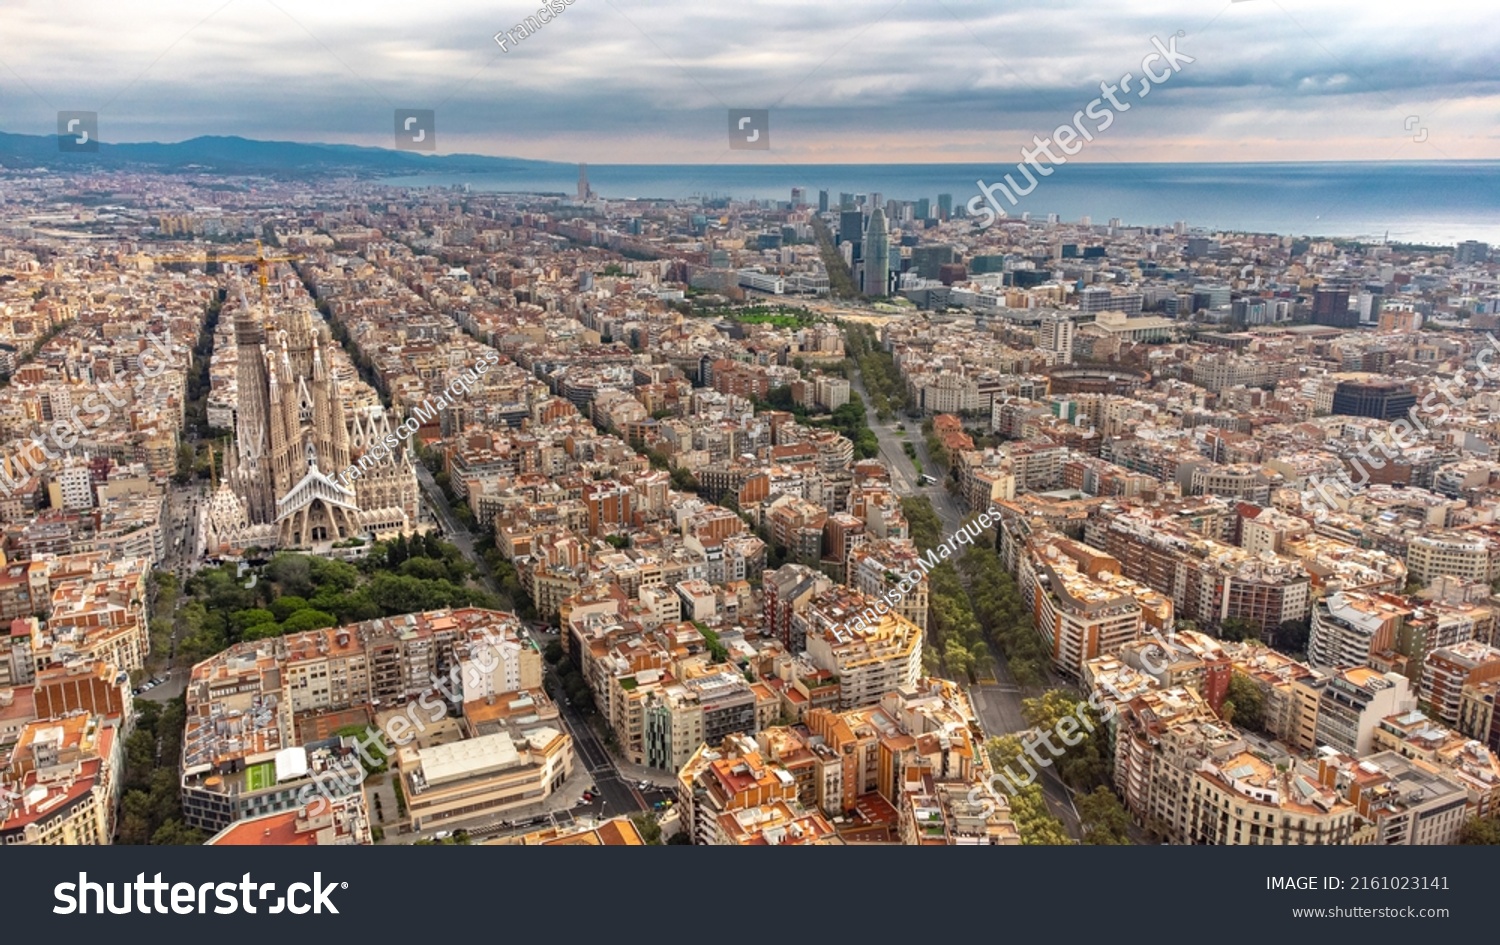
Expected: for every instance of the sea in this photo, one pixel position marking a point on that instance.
(1422, 202)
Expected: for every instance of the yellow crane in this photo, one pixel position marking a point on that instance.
(260, 260)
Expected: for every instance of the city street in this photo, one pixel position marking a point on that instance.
(998, 704)
(184, 507)
(453, 529)
(999, 711)
(619, 795)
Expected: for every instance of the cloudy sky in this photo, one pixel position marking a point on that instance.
(853, 81)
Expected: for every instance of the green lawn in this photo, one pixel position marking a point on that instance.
(261, 776)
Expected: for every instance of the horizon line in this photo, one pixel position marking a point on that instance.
(573, 163)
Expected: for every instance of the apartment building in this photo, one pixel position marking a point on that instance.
(1207, 580)
(1290, 693)
(869, 658)
(1408, 801)
(1449, 669)
(1477, 717)
(1350, 627)
(877, 567)
(61, 783)
(1454, 554)
(955, 815)
(1244, 800)
(1467, 762)
(343, 822)
(1162, 739)
(1351, 705)
(490, 773)
(728, 793)
(1082, 606)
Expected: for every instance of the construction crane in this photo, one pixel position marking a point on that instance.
(260, 260)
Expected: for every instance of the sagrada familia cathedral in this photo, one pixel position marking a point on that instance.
(292, 438)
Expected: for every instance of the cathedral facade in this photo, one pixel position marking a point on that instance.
(292, 438)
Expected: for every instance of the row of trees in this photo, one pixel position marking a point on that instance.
(1085, 767)
(935, 448)
(1004, 619)
(955, 640)
(151, 806)
(840, 279)
(1028, 805)
(882, 379)
(573, 683)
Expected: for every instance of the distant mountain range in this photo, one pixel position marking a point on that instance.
(235, 155)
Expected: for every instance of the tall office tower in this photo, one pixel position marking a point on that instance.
(928, 261)
(877, 199)
(945, 206)
(1380, 399)
(1331, 306)
(846, 201)
(924, 208)
(822, 201)
(851, 226)
(1471, 251)
(584, 192)
(799, 197)
(877, 255)
(1055, 338)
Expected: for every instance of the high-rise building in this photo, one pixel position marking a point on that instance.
(945, 206)
(851, 226)
(924, 209)
(585, 192)
(1056, 338)
(1331, 306)
(877, 255)
(926, 261)
(822, 201)
(799, 197)
(1354, 702)
(1382, 400)
(1471, 251)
